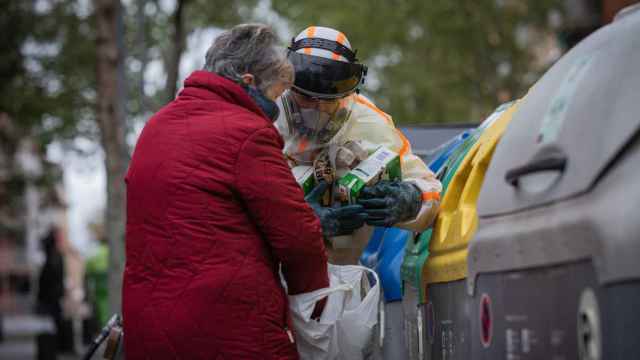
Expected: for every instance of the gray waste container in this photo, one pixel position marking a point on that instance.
(554, 269)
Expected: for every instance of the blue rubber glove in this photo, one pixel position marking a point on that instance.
(390, 202)
(335, 221)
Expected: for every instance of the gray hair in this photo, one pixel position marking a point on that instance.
(249, 48)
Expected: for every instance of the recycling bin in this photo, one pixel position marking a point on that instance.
(553, 269)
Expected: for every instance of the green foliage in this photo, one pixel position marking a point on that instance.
(47, 87)
(47, 72)
(219, 13)
(47, 68)
(435, 61)
(150, 39)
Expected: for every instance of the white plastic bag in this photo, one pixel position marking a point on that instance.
(345, 330)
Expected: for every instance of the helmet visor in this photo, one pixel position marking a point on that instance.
(325, 78)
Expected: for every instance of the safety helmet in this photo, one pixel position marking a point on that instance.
(325, 65)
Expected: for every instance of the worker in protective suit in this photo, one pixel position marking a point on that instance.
(325, 122)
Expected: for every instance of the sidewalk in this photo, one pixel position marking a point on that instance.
(20, 331)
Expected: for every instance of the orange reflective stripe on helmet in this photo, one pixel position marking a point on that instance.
(311, 32)
(339, 40)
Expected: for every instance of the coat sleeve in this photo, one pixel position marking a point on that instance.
(276, 204)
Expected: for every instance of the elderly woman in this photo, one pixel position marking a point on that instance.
(213, 213)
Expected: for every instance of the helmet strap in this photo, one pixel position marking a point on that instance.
(324, 44)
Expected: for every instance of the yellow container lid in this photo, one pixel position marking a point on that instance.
(458, 219)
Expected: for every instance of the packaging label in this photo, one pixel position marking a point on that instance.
(382, 164)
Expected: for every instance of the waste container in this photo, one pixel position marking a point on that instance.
(385, 253)
(553, 268)
(416, 272)
(416, 255)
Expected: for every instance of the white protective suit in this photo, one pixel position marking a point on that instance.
(366, 122)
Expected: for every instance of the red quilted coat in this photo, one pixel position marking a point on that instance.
(212, 210)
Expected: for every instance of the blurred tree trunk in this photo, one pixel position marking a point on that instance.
(177, 48)
(141, 41)
(111, 121)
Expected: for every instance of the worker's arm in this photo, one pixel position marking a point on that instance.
(377, 128)
(416, 172)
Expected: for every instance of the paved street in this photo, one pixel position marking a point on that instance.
(20, 332)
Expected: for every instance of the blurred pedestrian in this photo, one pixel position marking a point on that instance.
(97, 290)
(51, 286)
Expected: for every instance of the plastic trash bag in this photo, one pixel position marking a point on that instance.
(345, 330)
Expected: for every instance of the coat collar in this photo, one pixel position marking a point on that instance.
(206, 85)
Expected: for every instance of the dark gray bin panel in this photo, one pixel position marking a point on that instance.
(583, 110)
(533, 313)
(537, 314)
(622, 321)
(446, 319)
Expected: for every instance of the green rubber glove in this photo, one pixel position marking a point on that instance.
(335, 221)
(390, 202)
